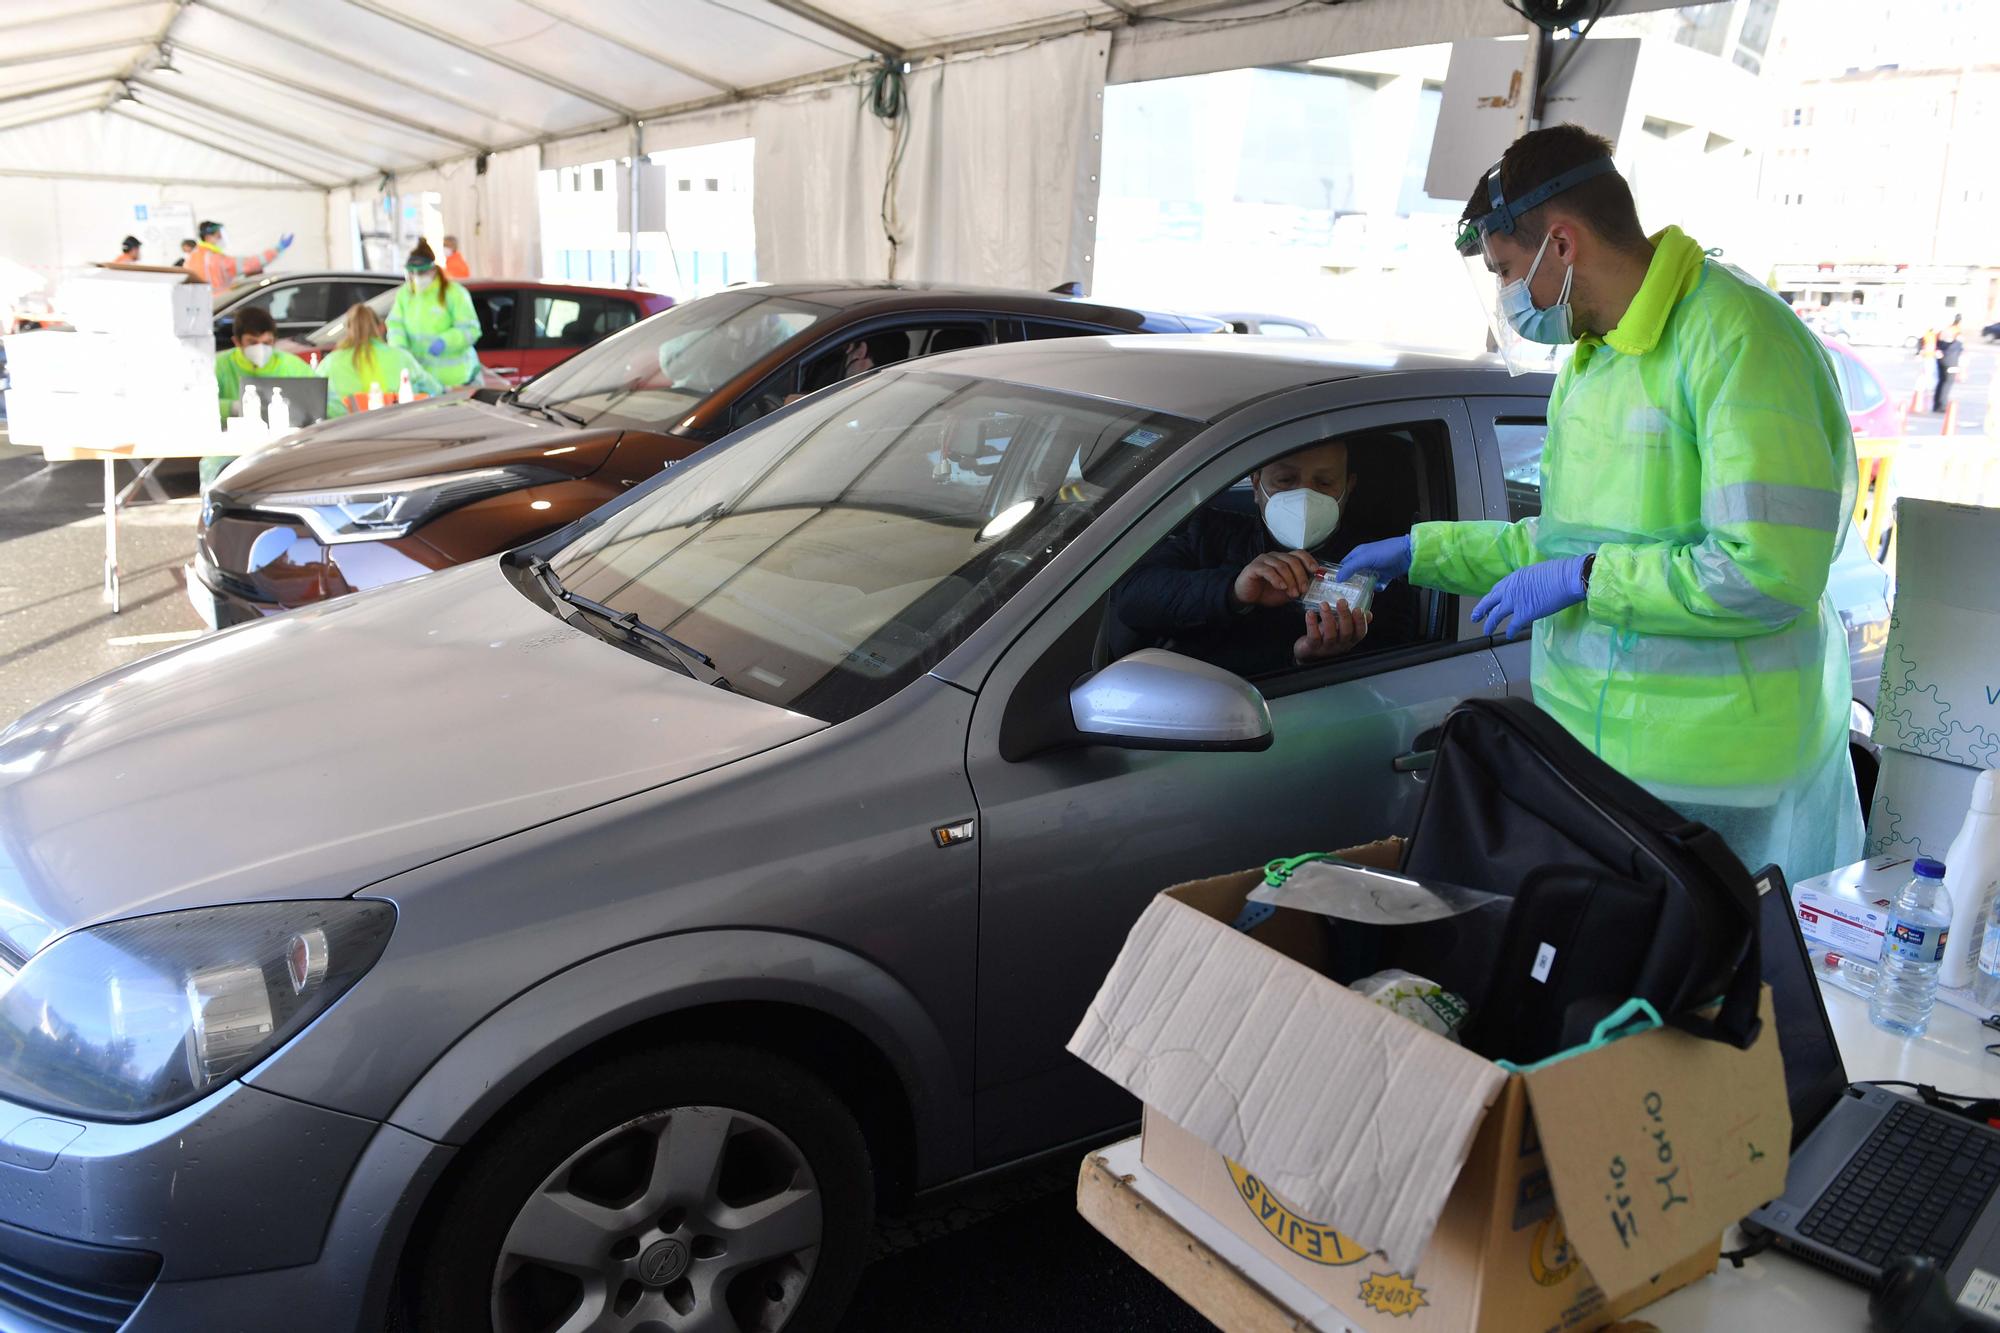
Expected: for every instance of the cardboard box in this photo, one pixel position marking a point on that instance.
(1409, 1182)
(146, 302)
(1847, 910)
(109, 363)
(1937, 715)
(1919, 805)
(59, 423)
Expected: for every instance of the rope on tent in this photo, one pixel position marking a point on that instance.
(888, 101)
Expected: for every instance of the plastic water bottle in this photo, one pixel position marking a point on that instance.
(1974, 858)
(1912, 948)
(251, 409)
(404, 393)
(279, 417)
(374, 395)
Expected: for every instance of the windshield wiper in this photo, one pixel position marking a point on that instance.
(685, 657)
(558, 415)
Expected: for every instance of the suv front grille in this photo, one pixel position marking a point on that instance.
(50, 1283)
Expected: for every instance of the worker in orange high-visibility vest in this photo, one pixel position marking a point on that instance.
(221, 270)
(454, 262)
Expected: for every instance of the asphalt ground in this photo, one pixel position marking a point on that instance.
(999, 1256)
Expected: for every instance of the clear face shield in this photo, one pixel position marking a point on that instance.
(1508, 307)
(1523, 356)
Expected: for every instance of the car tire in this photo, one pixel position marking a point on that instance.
(593, 1176)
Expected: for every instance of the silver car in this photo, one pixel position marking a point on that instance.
(593, 936)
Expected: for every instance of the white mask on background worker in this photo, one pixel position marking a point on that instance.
(423, 278)
(260, 352)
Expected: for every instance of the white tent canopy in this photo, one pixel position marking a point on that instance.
(997, 176)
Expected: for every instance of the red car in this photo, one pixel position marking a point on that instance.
(1870, 411)
(524, 327)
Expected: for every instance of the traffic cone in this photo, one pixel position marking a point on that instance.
(1950, 426)
(1916, 406)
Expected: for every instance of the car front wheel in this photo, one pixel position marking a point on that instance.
(683, 1189)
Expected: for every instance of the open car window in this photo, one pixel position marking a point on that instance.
(652, 374)
(837, 554)
(1182, 594)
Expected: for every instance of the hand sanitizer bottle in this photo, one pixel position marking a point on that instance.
(279, 418)
(250, 410)
(404, 393)
(375, 395)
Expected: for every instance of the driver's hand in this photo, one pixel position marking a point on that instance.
(1330, 632)
(1274, 579)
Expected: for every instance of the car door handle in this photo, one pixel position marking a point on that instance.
(1421, 755)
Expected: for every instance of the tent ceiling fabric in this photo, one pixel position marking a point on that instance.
(337, 91)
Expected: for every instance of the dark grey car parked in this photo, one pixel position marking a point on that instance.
(593, 936)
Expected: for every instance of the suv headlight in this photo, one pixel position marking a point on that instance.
(132, 1019)
(369, 513)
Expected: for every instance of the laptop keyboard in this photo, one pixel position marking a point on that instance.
(1913, 1188)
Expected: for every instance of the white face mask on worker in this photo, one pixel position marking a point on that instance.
(259, 354)
(424, 279)
(1301, 518)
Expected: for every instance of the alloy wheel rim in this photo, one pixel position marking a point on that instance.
(696, 1219)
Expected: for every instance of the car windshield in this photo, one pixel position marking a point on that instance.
(657, 371)
(330, 333)
(830, 557)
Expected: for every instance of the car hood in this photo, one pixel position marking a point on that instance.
(451, 434)
(315, 753)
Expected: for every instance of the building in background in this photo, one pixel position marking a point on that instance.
(696, 233)
(1301, 190)
(1880, 189)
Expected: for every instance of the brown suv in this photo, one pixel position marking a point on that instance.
(380, 496)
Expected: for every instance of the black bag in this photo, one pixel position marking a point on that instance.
(1615, 895)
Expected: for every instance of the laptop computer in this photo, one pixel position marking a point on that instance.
(1874, 1175)
(305, 396)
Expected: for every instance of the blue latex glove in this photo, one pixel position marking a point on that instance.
(437, 347)
(1390, 559)
(1530, 593)
(285, 241)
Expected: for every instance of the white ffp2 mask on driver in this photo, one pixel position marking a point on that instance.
(1301, 518)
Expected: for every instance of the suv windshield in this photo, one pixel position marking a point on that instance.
(829, 558)
(659, 370)
(329, 334)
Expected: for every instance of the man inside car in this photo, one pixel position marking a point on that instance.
(1229, 587)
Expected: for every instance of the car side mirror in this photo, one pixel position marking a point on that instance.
(1158, 700)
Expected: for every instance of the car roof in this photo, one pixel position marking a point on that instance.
(308, 274)
(1203, 376)
(853, 294)
(552, 285)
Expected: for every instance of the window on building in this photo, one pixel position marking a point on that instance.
(597, 179)
(576, 182)
(711, 185)
(685, 185)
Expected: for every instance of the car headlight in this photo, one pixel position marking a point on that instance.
(369, 513)
(132, 1019)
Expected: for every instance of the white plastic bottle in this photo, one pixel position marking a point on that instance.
(404, 393)
(251, 410)
(279, 417)
(1974, 859)
(375, 395)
